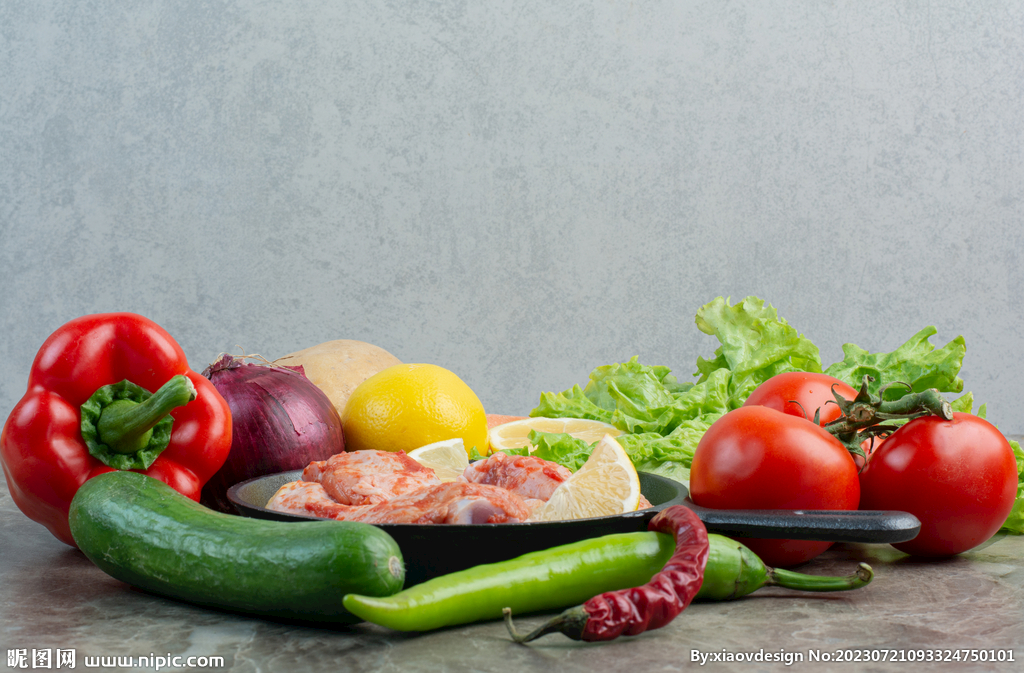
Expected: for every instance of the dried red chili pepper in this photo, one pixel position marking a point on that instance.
(632, 611)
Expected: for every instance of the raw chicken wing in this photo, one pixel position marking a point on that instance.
(529, 477)
(307, 498)
(369, 477)
(451, 502)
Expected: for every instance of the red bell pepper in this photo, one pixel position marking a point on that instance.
(89, 410)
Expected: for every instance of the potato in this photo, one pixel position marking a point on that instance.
(337, 367)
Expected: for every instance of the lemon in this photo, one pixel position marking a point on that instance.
(447, 459)
(513, 435)
(606, 485)
(407, 406)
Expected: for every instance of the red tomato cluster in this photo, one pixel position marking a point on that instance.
(959, 477)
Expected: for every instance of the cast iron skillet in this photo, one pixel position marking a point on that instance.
(432, 550)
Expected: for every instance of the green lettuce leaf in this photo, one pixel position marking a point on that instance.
(756, 344)
(560, 448)
(1015, 521)
(664, 419)
(916, 362)
(572, 403)
(668, 455)
(637, 398)
(965, 403)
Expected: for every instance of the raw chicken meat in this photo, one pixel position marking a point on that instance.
(384, 487)
(451, 502)
(369, 477)
(307, 498)
(530, 477)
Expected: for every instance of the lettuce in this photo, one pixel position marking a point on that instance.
(667, 455)
(1015, 521)
(664, 418)
(560, 448)
(756, 345)
(916, 362)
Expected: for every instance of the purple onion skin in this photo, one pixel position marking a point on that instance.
(280, 421)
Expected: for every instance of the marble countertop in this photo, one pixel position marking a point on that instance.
(52, 598)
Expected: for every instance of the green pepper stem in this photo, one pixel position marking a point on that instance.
(126, 426)
(792, 580)
(571, 622)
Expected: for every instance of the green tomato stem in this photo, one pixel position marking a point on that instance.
(865, 415)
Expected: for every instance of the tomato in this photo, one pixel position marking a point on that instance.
(958, 477)
(801, 394)
(759, 458)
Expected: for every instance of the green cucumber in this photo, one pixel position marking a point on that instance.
(141, 531)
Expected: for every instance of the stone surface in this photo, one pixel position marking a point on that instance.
(52, 597)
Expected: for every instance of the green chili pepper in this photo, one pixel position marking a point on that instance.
(542, 580)
(570, 574)
(733, 571)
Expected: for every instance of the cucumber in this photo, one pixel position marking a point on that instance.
(141, 531)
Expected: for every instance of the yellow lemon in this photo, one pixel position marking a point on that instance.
(407, 406)
(607, 484)
(513, 435)
(447, 459)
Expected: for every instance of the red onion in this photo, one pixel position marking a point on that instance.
(280, 421)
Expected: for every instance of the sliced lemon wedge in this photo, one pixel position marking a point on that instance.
(514, 435)
(606, 485)
(446, 458)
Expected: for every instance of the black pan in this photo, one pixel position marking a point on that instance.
(432, 550)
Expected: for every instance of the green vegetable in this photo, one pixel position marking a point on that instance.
(666, 418)
(571, 574)
(141, 531)
(916, 362)
(756, 345)
(542, 580)
(733, 571)
(1015, 521)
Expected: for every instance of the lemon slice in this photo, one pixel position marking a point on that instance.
(446, 458)
(513, 435)
(606, 485)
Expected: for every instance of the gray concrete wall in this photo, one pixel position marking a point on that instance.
(518, 191)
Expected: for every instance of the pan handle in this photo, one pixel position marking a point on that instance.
(827, 525)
